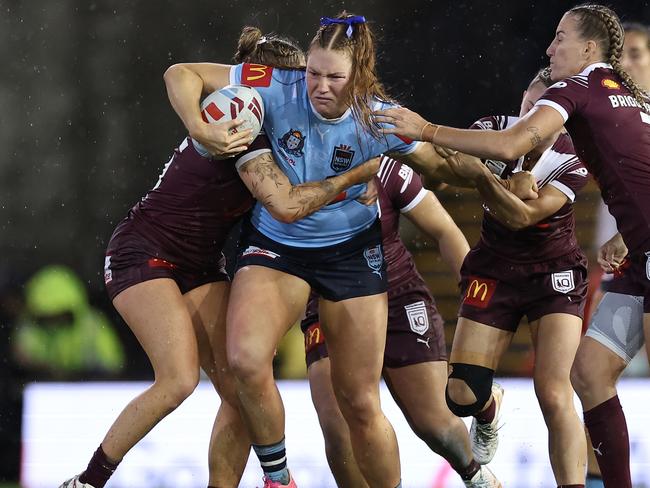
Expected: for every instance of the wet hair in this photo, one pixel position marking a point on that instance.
(270, 49)
(638, 28)
(601, 24)
(543, 76)
(363, 86)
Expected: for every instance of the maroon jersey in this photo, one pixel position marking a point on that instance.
(554, 236)
(186, 217)
(612, 136)
(400, 190)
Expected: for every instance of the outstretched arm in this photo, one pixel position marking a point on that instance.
(288, 203)
(185, 83)
(508, 144)
(505, 205)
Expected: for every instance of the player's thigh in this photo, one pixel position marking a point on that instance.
(263, 304)
(207, 305)
(556, 338)
(479, 344)
(156, 313)
(356, 337)
(419, 389)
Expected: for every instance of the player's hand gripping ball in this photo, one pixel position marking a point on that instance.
(235, 102)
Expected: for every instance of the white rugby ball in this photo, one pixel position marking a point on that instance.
(235, 102)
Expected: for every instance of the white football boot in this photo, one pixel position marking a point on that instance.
(75, 483)
(484, 478)
(485, 437)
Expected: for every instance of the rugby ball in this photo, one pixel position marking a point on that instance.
(235, 102)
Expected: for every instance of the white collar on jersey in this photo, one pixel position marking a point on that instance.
(345, 115)
(594, 66)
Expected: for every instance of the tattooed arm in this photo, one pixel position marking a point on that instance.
(288, 203)
(537, 126)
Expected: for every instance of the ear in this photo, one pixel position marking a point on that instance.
(523, 95)
(592, 50)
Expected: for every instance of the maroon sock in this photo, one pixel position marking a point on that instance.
(468, 472)
(609, 438)
(99, 469)
(487, 415)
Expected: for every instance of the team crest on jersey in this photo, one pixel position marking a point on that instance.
(342, 158)
(417, 315)
(292, 142)
(611, 84)
(563, 281)
(647, 265)
(374, 258)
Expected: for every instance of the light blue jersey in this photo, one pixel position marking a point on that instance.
(309, 147)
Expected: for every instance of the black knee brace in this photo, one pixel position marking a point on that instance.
(479, 380)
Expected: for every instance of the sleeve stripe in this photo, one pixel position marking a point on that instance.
(564, 189)
(556, 106)
(567, 165)
(411, 149)
(417, 199)
(233, 75)
(386, 168)
(249, 156)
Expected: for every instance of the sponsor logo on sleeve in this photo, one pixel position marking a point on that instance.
(579, 172)
(563, 281)
(108, 272)
(610, 84)
(479, 292)
(160, 263)
(313, 337)
(496, 167)
(342, 158)
(258, 251)
(559, 84)
(417, 316)
(374, 258)
(256, 75)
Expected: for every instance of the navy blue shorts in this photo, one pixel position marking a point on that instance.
(354, 268)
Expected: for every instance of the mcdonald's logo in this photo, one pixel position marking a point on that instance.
(256, 75)
(479, 292)
(313, 337)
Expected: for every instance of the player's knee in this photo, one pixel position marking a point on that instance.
(178, 386)
(584, 375)
(359, 408)
(469, 389)
(247, 366)
(555, 397)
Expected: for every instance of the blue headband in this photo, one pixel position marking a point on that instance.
(349, 21)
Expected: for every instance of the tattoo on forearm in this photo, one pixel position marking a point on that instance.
(303, 199)
(534, 136)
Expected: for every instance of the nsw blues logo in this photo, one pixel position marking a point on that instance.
(292, 142)
(342, 158)
(374, 259)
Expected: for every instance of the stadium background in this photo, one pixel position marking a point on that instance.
(85, 125)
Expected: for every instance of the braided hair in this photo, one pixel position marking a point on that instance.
(601, 24)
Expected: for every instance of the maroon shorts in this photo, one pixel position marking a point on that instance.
(415, 328)
(127, 266)
(499, 293)
(632, 278)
